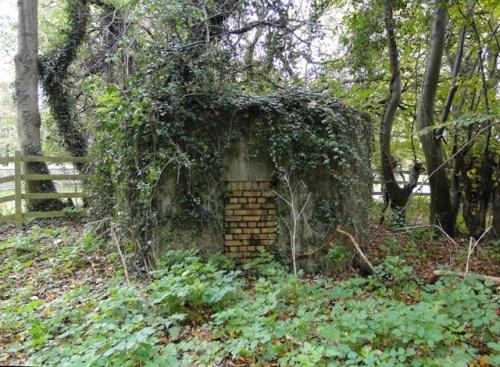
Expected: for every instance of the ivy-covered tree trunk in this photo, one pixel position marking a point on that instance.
(54, 72)
(395, 195)
(26, 94)
(478, 188)
(442, 212)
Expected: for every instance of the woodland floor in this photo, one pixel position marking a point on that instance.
(54, 267)
(426, 253)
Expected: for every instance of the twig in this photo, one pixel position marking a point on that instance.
(473, 247)
(469, 252)
(361, 253)
(448, 237)
(431, 226)
(122, 258)
(147, 267)
(324, 245)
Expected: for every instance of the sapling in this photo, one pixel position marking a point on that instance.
(297, 211)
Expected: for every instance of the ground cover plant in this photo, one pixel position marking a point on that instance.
(64, 301)
(334, 94)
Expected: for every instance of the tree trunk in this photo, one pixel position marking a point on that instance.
(396, 196)
(441, 206)
(54, 73)
(495, 204)
(478, 179)
(478, 189)
(458, 160)
(28, 115)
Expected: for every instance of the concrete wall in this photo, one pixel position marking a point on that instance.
(242, 166)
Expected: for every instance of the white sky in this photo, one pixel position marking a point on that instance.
(8, 7)
(8, 14)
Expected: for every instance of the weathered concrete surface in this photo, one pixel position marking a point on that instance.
(240, 164)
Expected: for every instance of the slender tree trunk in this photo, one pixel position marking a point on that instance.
(495, 204)
(28, 115)
(454, 74)
(395, 195)
(441, 206)
(458, 160)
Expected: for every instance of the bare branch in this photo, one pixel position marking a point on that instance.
(358, 248)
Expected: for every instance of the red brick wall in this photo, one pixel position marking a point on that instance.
(249, 218)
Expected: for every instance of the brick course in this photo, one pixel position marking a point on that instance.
(250, 218)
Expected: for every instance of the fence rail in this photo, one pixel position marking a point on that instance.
(415, 193)
(19, 176)
(422, 188)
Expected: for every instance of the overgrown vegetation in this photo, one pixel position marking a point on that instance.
(204, 312)
(185, 133)
(160, 89)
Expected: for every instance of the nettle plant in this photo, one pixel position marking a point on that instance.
(179, 115)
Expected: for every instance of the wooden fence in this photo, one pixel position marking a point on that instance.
(416, 192)
(422, 188)
(19, 176)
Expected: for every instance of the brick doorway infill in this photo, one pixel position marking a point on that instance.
(249, 218)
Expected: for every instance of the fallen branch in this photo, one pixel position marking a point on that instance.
(440, 273)
(361, 253)
(324, 245)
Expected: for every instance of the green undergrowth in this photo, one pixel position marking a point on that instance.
(195, 312)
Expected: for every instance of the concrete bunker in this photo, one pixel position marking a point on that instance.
(237, 205)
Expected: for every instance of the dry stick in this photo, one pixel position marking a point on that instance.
(432, 226)
(469, 252)
(325, 244)
(442, 231)
(472, 248)
(147, 267)
(122, 258)
(439, 273)
(353, 240)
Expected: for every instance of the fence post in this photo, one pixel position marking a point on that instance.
(18, 189)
